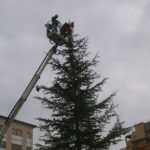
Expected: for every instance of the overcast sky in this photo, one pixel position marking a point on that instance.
(119, 30)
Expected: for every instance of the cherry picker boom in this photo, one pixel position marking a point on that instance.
(26, 93)
(56, 38)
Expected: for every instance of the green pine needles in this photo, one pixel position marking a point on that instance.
(79, 118)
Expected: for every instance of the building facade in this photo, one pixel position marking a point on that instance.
(139, 139)
(19, 136)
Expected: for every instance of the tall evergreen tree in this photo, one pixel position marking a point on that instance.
(79, 117)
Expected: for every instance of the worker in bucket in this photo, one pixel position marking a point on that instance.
(55, 23)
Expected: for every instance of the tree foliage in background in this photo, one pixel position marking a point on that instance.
(79, 118)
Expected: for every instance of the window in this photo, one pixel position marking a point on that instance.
(147, 133)
(148, 141)
(3, 144)
(28, 148)
(147, 126)
(17, 132)
(28, 135)
(16, 147)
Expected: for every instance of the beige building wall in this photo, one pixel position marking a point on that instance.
(139, 139)
(19, 136)
(139, 132)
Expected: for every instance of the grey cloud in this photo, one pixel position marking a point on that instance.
(117, 29)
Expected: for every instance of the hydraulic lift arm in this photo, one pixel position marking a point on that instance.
(26, 93)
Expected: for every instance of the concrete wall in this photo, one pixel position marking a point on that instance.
(24, 140)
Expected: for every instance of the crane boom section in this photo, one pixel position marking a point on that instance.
(26, 93)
